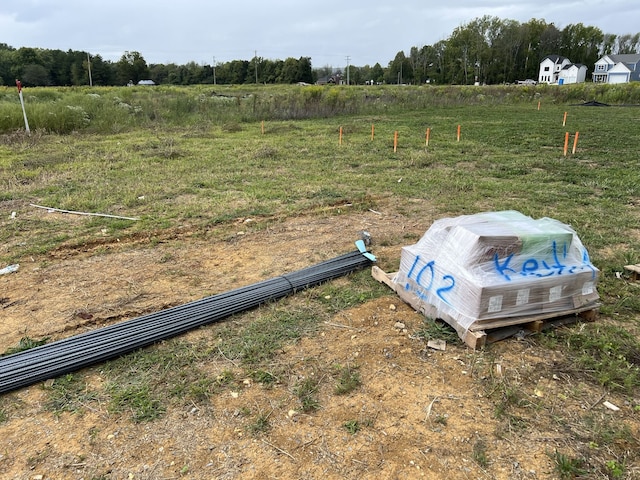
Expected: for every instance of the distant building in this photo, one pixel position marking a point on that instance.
(623, 68)
(550, 68)
(572, 73)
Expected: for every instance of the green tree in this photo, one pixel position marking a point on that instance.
(471, 49)
(102, 72)
(508, 44)
(608, 44)
(289, 73)
(131, 67)
(582, 44)
(550, 42)
(6, 57)
(304, 73)
(377, 73)
(35, 76)
(628, 43)
(236, 71)
(270, 70)
(78, 69)
(399, 70)
(58, 63)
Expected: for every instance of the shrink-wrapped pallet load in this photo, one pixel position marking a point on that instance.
(474, 269)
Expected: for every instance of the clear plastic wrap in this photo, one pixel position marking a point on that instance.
(487, 266)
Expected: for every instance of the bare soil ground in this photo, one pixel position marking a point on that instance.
(423, 413)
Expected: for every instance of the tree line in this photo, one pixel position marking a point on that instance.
(486, 50)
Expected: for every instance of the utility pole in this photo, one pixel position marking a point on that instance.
(348, 58)
(214, 70)
(89, 68)
(255, 61)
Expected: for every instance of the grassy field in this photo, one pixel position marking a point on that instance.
(510, 156)
(202, 159)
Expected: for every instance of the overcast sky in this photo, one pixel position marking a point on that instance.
(327, 31)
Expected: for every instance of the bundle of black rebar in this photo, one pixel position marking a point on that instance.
(71, 354)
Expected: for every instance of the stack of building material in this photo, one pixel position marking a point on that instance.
(496, 269)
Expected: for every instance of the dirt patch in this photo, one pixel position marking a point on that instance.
(419, 413)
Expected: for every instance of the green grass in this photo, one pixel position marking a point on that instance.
(352, 426)
(205, 174)
(348, 379)
(138, 399)
(260, 424)
(69, 393)
(184, 158)
(25, 343)
(566, 466)
(257, 342)
(307, 392)
(606, 354)
(145, 383)
(479, 453)
(437, 330)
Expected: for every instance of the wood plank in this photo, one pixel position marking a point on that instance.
(634, 269)
(482, 332)
(475, 340)
(507, 321)
(383, 277)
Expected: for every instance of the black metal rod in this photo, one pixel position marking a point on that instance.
(70, 354)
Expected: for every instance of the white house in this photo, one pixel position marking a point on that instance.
(572, 73)
(623, 68)
(550, 68)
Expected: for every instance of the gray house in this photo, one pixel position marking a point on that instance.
(623, 68)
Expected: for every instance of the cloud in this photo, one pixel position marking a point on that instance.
(199, 30)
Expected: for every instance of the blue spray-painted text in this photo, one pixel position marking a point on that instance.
(538, 267)
(427, 279)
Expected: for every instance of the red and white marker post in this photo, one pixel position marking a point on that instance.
(24, 112)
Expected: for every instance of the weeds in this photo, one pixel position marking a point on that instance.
(437, 330)
(567, 467)
(608, 354)
(138, 383)
(352, 426)
(615, 469)
(69, 393)
(337, 298)
(307, 393)
(263, 377)
(479, 453)
(137, 399)
(440, 419)
(25, 343)
(260, 424)
(348, 379)
(602, 430)
(258, 341)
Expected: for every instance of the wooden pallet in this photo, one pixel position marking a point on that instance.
(634, 269)
(489, 331)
